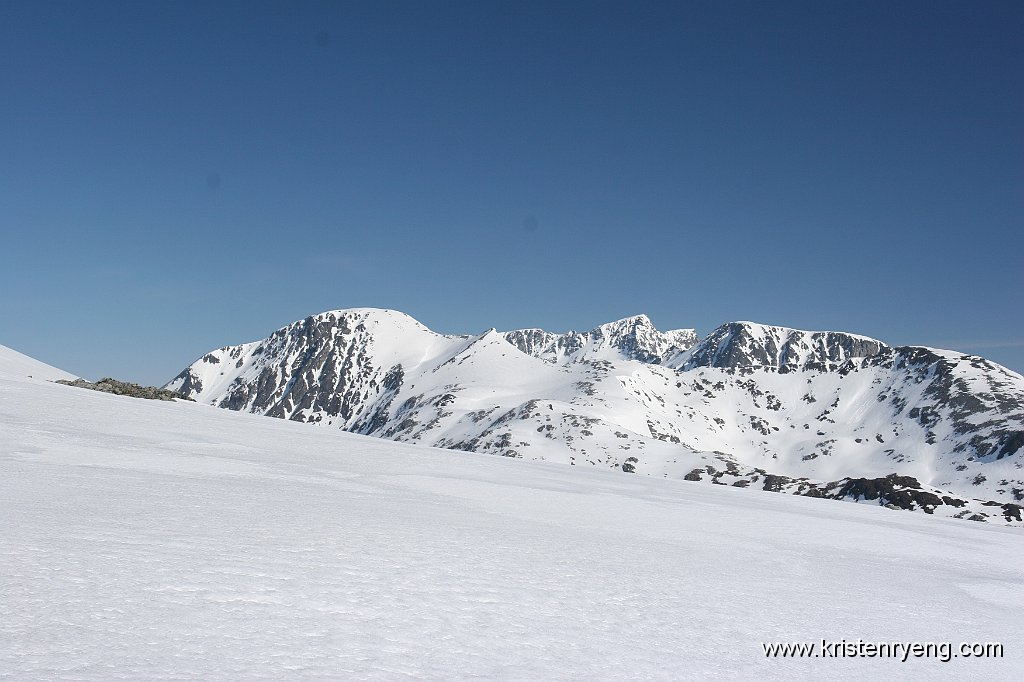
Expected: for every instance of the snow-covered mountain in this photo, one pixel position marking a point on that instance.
(150, 540)
(825, 414)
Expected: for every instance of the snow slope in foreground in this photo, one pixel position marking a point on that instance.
(14, 365)
(151, 540)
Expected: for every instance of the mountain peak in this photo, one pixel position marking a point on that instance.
(751, 344)
(368, 315)
(634, 338)
(633, 321)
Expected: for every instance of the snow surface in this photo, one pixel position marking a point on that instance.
(152, 540)
(14, 365)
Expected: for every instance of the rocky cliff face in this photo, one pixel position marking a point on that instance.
(820, 413)
(750, 345)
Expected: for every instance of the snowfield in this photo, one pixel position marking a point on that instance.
(151, 540)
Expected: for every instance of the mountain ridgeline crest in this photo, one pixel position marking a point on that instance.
(827, 414)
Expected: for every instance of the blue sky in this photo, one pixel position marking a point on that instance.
(179, 176)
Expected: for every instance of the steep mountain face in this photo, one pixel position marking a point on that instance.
(750, 345)
(815, 413)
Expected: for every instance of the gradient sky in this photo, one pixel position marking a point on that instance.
(179, 176)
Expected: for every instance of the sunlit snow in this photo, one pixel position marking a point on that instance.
(150, 540)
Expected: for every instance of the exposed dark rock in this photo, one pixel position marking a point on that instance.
(190, 384)
(775, 483)
(1011, 444)
(108, 385)
(903, 491)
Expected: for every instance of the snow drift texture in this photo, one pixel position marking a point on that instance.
(825, 414)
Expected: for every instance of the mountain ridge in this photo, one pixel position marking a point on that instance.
(748, 405)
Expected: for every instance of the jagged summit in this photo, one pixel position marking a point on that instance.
(380, 317)
(812, 412)
(633, 337)
(368, 313)
(754, 345)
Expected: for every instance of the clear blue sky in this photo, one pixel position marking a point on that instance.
(178, 176)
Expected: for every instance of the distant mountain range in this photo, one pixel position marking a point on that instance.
(825, 414)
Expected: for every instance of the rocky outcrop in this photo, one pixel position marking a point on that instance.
(108, 385)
